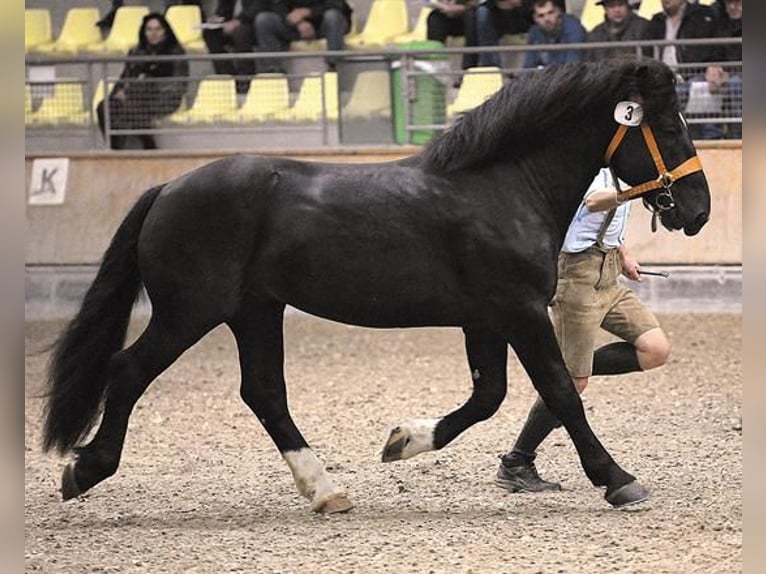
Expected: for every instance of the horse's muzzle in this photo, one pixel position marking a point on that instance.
(694, 227)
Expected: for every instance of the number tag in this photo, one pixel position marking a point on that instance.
(628, 113)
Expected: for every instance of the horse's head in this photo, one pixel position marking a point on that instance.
(651, 150)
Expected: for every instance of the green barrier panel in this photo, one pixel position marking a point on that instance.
(429, 105)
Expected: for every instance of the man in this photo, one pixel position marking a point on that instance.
(290, 20)
(494, 19)
(681, 20)
(453, 18)
(589, 297)
(553, 26)
(620, 24)
(225, 33)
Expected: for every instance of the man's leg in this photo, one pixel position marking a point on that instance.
(242, 42)
(333, 27)
(216, 44)
(273, 36)
(486, 35)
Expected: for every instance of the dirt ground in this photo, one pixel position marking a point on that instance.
(202, 489)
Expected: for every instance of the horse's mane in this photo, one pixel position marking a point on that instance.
(520, 116)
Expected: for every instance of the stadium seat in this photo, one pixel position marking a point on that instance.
(29, 114)
(478, 85)
(419, 32)
(79, 30)
(124, 33)
(185, 21)
(308, 105)
(268, 99)
(370, 96)
(592, 14)
(216, 98)
(65, 106)
(37, 29)
(648, 8)
(386, 20)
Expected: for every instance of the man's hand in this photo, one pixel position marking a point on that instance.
(229, 26)
(297, 15)
(630, 267)
(715, 76)
(306, 30)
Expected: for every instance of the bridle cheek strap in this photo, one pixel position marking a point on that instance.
(666, 178)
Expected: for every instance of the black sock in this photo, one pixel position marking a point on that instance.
(615, 359)
(540, 423)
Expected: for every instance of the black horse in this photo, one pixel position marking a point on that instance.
(465, 233)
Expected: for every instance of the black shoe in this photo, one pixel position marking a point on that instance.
(521, 476)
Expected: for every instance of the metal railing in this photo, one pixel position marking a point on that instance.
(423, 90)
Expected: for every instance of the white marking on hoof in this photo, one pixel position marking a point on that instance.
(410, 438)
(311, 478)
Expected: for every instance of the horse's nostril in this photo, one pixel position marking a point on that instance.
(702, 219)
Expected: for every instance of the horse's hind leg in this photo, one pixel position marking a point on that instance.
(258, 331)
(130, 373)
(487, 357)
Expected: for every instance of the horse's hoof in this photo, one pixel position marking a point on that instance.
(628, 495)
(336, 504)
(69, 488)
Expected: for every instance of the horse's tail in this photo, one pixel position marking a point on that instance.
(77, 372)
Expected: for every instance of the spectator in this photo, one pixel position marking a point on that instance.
(728, 81)
(224, 32)
(494, 19)
(145, 90)
(454, 18)
(681, 20)
(290, 20)
(106, 22)
(620, 24)
(553, 26)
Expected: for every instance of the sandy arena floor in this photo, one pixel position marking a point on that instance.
(201, 489)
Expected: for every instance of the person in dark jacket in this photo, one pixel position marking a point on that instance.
(290, 20)
(681, 20)
(225, 32)
(146, 90)
(728, 79)
(621, 24)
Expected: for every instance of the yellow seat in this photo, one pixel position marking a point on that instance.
(124, 33)
(37, 29)
(268, 99)
(386, 20)
(592, 14)
(78, 31)
(478, 85)
(370, 96)
(65, 106)
(649, 8)
(29, 114)
(419, 32)
(308, 106)
(185, 22)
(216, 98)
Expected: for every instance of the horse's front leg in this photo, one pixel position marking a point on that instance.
(487, 358)
(534, 341)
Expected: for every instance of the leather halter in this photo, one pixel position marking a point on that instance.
(665, 179)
